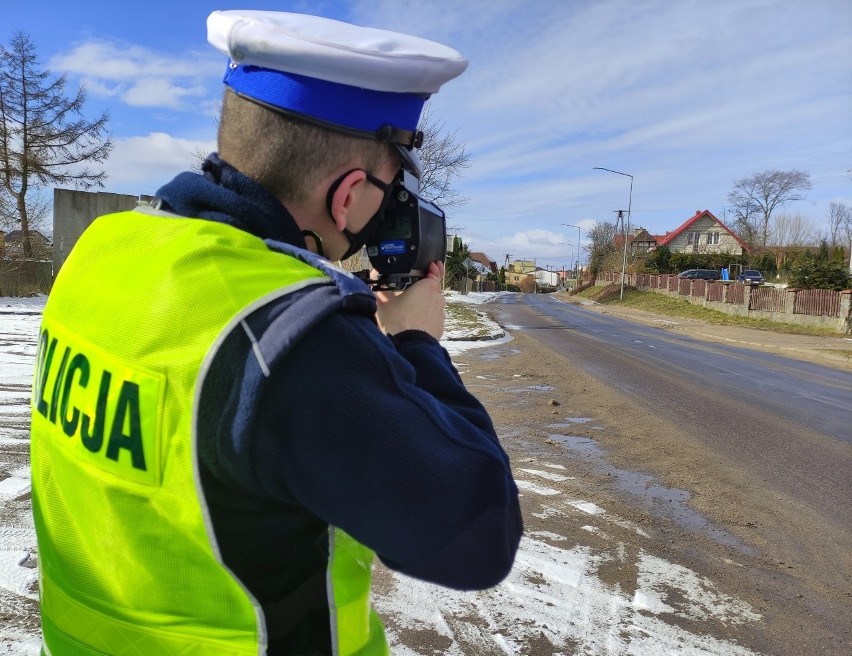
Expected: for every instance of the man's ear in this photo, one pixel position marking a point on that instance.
(344, 196)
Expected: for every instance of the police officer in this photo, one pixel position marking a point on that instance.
(226, 428)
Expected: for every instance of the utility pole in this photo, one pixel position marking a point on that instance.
(505, 271)
(620, 217)
(629, 205)
(569, 225)
(535, 280)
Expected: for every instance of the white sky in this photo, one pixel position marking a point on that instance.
(685, 96)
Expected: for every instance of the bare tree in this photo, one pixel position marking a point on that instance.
(847, 234)
(38, 211)
(756, 197)
(839, 215)
(442, 158)
(602, 250)
(44, 138)
(790, 231)
(8, 213)
(602, 234)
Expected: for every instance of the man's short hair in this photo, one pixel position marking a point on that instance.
(286, 155)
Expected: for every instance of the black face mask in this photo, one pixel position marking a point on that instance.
(358, 239)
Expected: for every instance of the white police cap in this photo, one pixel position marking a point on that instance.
(361, 80)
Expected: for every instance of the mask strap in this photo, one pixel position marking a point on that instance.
(358, 239)
(333, 188)
(317, 241)
(373, 180)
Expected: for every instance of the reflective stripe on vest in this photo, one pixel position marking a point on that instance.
(128, 560)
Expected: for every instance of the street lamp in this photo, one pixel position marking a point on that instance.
(571, 246)
(568, 225)
(626, 228)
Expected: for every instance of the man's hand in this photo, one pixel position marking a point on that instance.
(419, 307)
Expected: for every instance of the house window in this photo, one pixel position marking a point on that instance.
(712, 237)
(693, 237)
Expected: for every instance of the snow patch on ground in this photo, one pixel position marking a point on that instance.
(556, 478)
(14, 487)
(528, 486)
(555, 592)
(588, 507)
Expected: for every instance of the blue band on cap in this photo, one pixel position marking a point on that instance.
(340, 104)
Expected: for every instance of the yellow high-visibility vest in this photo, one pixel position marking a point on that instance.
(128, 562)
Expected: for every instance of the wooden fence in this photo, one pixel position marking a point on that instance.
(25, 277)
(769, 299)
(736, 293)
(818, 302)
(815, 307)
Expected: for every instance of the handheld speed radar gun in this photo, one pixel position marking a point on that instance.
(412, 235)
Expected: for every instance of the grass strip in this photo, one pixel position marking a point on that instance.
(676, 307)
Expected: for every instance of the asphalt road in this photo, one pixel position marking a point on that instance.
(810, 395)
(785, 421)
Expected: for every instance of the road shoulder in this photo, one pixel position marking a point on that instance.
(830, 351)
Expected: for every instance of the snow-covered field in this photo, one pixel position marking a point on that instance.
(553, 589)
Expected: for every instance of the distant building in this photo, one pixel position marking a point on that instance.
(703, 233)
(700, 233)
(12, 244)
(521, 266)
(485, 261)
(640, 241)
(520, 274)
(546, 278)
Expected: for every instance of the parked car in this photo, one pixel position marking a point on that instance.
(751, 277)
(701, 274)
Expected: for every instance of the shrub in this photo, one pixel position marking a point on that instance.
(810, 271)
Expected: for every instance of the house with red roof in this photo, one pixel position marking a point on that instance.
(641, 241)
(484, 260)
(703, 233)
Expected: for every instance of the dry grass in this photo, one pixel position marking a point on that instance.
(675, 307)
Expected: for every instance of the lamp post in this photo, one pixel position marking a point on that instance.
(535, 280)
(568, 225)
(571, 246)
(625, 227)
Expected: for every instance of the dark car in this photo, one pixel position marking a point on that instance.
(751, 277)
(700, 274)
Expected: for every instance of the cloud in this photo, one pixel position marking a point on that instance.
(140, 165)
(159, 92)
(141, 77)
(557, 249)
